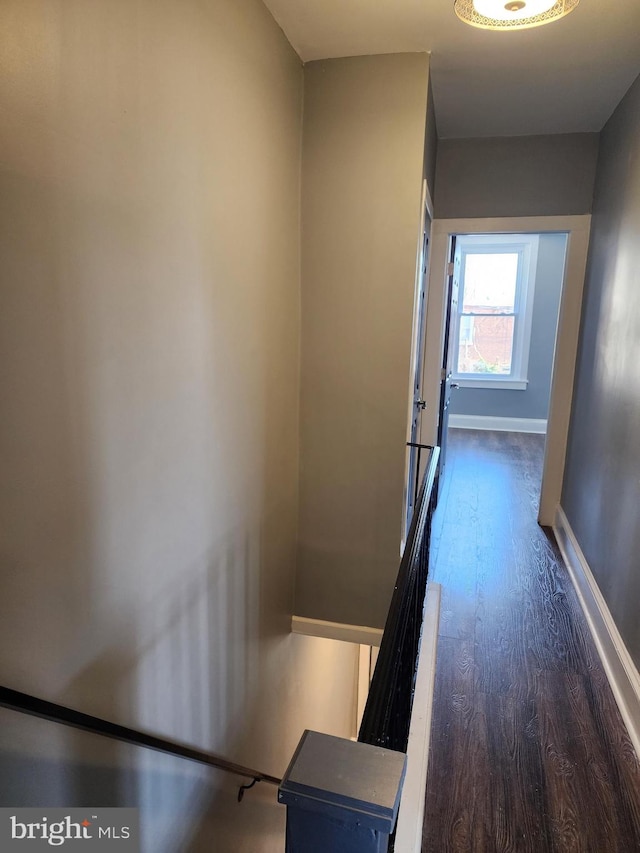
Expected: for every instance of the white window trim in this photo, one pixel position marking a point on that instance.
(465, 381)
(526, 245)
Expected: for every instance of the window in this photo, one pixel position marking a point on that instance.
(492, 328)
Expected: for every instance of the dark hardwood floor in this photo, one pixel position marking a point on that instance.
(528, 750)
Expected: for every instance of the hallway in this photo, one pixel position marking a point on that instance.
(528, 750)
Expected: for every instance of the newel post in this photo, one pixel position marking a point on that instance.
(341, 796)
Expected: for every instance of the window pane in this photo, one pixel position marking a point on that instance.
(485, 345)
(490, 283)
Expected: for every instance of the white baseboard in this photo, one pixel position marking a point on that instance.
(336, 631)
(537, 425)
(620, 669)
(411, 813)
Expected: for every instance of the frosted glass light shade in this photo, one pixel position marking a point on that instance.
(502, 10)
(512, 14)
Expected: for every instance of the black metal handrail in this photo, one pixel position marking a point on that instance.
(26, 704)
(387, 712)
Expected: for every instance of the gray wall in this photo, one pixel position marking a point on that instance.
(601, 495)
(149, 340)
(534, 402)
(363, 151)
(516, 176)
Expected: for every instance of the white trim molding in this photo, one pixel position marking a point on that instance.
(411, 813)
(525, 249)
(620, 669)
(336, 631)
(496, 383)
(537, 425)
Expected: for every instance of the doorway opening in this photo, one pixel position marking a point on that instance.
(456, 324)
(504, 293)
(414, 457)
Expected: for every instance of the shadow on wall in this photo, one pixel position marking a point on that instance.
(195, 672)
(191, 672)
(182, 806)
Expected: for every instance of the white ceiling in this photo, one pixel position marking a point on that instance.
(560, 78)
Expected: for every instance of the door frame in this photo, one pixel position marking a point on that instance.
(426, 210)
(577, 228)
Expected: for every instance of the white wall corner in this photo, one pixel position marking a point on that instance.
(619, 667)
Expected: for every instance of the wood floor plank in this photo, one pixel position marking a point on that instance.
(459, 733)
(528, 749)
(514, 753)
(578, 771)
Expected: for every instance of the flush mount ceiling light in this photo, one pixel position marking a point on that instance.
(512, 14)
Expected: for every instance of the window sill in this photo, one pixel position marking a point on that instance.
(503, 384)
